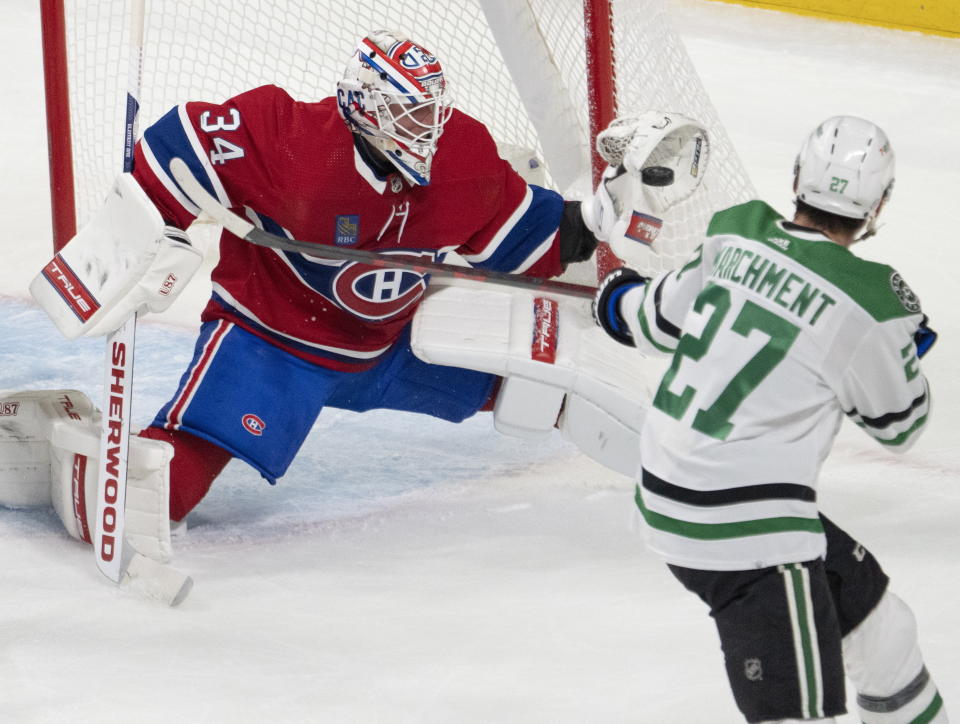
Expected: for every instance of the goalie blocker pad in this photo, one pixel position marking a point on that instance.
(123, 261)
(554, 361)
(49, 446)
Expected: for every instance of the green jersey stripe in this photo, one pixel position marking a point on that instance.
(903, 436)
(720, 531)
(797, 586)
(931, 711)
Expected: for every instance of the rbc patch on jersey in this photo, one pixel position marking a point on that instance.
(643, 228)
(347, 230)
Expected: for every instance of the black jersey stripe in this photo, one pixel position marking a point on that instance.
(891, 417)
(727, 496)
(895, 702)
(664, 324)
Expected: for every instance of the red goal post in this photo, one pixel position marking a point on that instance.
(543, 75)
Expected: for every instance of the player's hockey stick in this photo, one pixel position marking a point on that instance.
(245, 230)
(121, 564)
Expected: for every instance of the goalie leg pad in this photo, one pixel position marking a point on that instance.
(611, 442)
(49, 446)
(26, 420)
(545, 349)
(74, 453)
(196, 464)
(527, 408)
(883, 659)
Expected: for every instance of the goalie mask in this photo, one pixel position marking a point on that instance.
(394, 94)
(846, 167)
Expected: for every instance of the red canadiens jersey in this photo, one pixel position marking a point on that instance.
(293, 169)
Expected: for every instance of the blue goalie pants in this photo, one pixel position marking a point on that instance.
(258, 402)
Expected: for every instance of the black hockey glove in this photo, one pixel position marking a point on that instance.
(924, 338)
(606, 305)
(577, 242)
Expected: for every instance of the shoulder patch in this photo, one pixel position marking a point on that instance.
(905, 294)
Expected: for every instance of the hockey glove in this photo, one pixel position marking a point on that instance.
(606, 305)
(577, 242)
(924, 338)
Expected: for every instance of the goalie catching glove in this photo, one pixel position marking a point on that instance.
(124, 261)
(656, 161)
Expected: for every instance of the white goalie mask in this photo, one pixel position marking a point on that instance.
(394, 94)
(846, 167)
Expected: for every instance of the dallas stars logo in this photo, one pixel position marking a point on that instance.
(905, 294)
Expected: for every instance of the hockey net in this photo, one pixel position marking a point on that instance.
(520, 66)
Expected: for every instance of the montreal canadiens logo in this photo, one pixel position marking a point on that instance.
(377, 294)
(413, 57)
(253, 424)
(366, 291)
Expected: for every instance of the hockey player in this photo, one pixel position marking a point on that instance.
(387, 165)
(776, 330)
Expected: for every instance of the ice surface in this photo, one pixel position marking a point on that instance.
(408, 570)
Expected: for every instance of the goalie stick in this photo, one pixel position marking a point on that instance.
(122, 565)
(247, 231)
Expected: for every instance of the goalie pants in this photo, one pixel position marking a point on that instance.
(258, 403)
(781, 627)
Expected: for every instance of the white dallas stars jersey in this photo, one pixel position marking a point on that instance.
(776, 332)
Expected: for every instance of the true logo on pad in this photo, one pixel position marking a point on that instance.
(77, 297)
(544, 347)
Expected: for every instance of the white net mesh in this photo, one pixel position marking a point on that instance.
(534, 53)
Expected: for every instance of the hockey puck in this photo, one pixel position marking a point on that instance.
(657, 176)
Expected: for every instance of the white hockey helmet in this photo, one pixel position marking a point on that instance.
(394, 93)
(845, 167)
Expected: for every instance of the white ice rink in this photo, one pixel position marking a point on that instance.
(408, 571)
